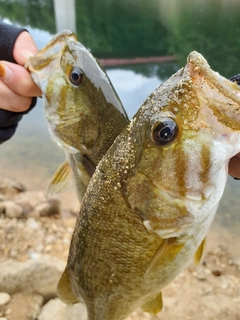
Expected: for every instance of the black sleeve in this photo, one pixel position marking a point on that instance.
(9, 120)
(8, 36)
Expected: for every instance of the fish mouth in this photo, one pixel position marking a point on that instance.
(42, 58)
(219, 100)
(198, 67)
(218, 97)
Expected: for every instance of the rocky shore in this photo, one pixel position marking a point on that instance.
(35, 235)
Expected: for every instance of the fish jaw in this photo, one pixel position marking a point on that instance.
(46, 57)
(218, 97)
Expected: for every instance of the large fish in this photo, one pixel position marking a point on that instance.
(154, 195)
(83, 111)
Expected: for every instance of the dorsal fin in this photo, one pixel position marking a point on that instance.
(64, 290)
(154, 304)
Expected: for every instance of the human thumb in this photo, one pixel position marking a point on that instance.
(24, 48)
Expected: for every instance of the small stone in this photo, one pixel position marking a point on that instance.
(230, 262)
(217, 272)
(56, 309)
(4, 298)
(200, 275)
(49, 238)
(207, 290)
(34, 255)
(11, 209)
(224, 286)
(33, 224)
(48, 248)
(2, 198)
(29, 199)
(25, 306)
(2, 208)
(39, 248)
(40, 275)
(207, 271)
(46, 208)
(8, 311)
(13, 253)
(11, 187)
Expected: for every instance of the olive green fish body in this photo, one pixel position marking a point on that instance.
(83, 112)
(154, 195)
(108, 271)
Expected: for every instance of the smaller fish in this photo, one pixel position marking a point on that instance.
(83, 111)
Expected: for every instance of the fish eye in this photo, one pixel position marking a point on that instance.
(165, 132)
(76, 76)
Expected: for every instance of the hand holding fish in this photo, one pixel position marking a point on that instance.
(16, 86)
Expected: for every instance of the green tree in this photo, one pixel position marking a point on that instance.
(36, 13)
(210, 28)
(120, 27)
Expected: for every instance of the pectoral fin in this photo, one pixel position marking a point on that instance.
(199, 253)
(64, 290)
(61, 180)
(154, 304)
(165, 246)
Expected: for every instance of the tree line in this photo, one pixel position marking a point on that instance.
(123, 28)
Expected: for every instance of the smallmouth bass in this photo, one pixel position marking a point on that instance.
(154, 194)
(83, 111)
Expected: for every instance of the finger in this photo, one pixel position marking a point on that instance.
(24, 48)
(12, 101)
(234, 166)
(18, 79)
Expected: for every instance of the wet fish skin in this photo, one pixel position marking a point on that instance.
(83, 111)
(154, 195)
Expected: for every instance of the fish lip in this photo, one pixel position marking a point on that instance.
(62, 33)
(196, 64)
(42, 57)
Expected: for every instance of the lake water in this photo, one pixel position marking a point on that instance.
(31, 157)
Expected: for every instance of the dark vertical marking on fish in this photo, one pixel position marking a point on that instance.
(181, 168)
(205, 163)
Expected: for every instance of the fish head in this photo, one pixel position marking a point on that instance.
(182, 139)
(79, 99)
